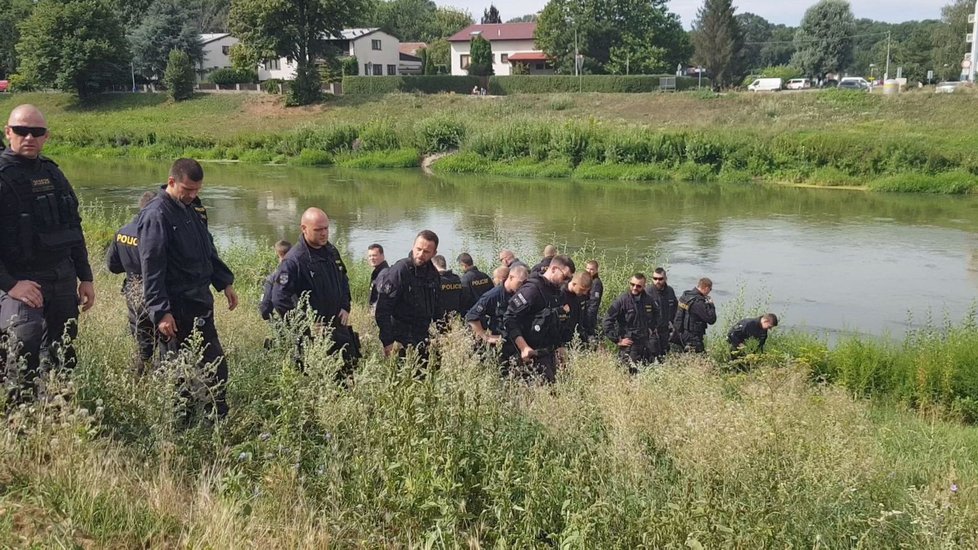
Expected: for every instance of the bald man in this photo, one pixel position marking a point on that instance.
(44, 269)
(313, 267)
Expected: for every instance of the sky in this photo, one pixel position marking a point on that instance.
(788, 12)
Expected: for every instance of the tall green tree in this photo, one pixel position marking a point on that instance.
(528, 18)
(449, 21)
(12, 12)
(756, 32)
(179, 75)
(76, 46)
(718, 42)
(480, 60)
(949, 46)
(415, 20)
(824, 40)
(440, 56)
(491, 15)
(168, 25)
(293, 29)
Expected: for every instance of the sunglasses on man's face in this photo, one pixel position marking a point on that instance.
(24, 131)
(658, 278)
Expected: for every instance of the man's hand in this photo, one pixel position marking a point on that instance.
(232, 297)
(493, 339)
(86, 295)
(388, 350)
(344, 317)
(168, 326)
(625, 342)
(27, 292)
(527, 353)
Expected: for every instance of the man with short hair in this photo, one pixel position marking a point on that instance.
(408, 298)
(123, 257)
(474, 282)
(752, 328)
(695, 312)
(486, 316)
(265, 307)
(44, 268)
(375, 257)
(451, 290)
(532, 322)
(574, 295)
(589, 319)
(179, 265)
(665, 304)
(508, 259)
(549, 252)
(499, 275)
(630, 324)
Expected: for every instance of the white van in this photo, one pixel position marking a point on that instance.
(766, 85)
(799, 84)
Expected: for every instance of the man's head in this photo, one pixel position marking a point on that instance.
(26, 131)
(440, 263)
(704, 285)
(517, 276)
(580, 284)
(636, 285)
(425, 247)
(500, 274)
(145, 198)
(375, 255)
(549, 251)
(769, 321)
(659, 278)
(506, 257)
(186, 179)
(592, 268)
(560, 271)
(465, 260)
(282, 248)
(315, 227)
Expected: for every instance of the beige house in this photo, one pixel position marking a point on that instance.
(377, 54)
(512, 44)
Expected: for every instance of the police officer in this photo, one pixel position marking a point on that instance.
(313, 267)
(375, 257)
(179, 263)
(532, 323)
(474, 282)
(574, 295)
(508, 259)
(265, 307)
(751, 328)
(631, 323)
(549, 252)
(123, 257)
(593, 305)
(665, 303)
(408, 298)
(44, 269)
(450, 299)
(486, 316)
(500, 274)
(694, 313)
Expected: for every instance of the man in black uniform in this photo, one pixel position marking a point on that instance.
(631, 323)
(314, 267)
(179, 264)
(751, 328)
(593, 305)
(549, 252)
(44, 269)
(474, 282)
(486, 316)
(694, 313)
(450, 300)
(265, 307)
(407, 301)
(532, 322)
(665, 303)
(375, 257)
(508, 259)
(123, 257)
(574, 295)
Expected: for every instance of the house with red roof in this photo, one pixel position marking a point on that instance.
(512, 44)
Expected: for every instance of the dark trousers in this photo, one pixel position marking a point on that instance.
(640, 352)
(346, 342)
(36, 333)
(542, 366)
(141, 326)
(204, 386)
(660, 342)
(692, 343)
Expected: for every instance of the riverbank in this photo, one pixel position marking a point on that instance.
(687, 454)
(915, 142)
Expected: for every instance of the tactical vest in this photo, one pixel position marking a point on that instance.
(46, 225)
(635, 326)
(685, 322)
(544, 328)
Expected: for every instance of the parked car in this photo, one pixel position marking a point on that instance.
(948, 87)
(4, 85)
(766, 85)
(855, 83)
(799, 84)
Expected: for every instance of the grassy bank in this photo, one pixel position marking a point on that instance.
(916, 142)
(681, 456)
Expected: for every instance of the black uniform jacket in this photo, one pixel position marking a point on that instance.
(630, 317)
(321, 273)
(474, 284)
(533, 313)
(699, 313)
(407, 302)
(373, 280)
(123, 253)
(571, 315)
(451, 293)
(593, 305)
(744, 330)
(665, 303)
(489, 309)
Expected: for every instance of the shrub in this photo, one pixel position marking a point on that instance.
(179, 76)
(379, 135)
(398, 158)
(273, 86)
(545, 84)
(312, 157)
(784, 72)
(428, 84)
(439, 134)
(21, 83)
(229, 76)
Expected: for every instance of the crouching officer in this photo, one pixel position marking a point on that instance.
(123, 257)
(631, 324)
(532, 321)
(485, 318)
(694, 314)
(751, 328)
(314, 267)
(179, 264)
(44, 269)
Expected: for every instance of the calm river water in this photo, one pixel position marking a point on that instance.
(825, 260)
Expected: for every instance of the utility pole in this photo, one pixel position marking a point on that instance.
(886, 75)
(974, 46)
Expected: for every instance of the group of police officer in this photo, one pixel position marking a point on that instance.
(524, 316)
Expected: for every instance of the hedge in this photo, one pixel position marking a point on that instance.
(429, 84)
(545, 84)
(229, 76)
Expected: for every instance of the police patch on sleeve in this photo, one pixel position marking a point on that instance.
(520, 299)
(283, 278)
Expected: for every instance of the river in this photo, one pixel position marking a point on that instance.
(827, 261)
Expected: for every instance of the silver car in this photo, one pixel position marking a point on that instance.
(948, 87)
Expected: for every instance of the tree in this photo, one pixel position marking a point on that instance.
(756, 32)
(167, 26)
(73, 45)
(480, 60)
(491, 15)
(823, 42)
(293, 29)
(449, 21)
(440, 56)
(718, 42)
(949, 45)
(528, 18)
(12, 12)
(416, 20)
(179, 75)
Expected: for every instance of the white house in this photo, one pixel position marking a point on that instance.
(217, 52)
(376, 53)
(512, 43)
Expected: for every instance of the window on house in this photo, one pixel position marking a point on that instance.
(541, 66)
(463, 61)
(391, 70)
(375, 44)
(226, 50)
(378, 70)
(273, 65)
(504, 58)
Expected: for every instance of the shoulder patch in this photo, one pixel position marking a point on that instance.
(520, 299)
(283, 278)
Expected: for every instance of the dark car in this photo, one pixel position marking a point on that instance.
(853, 84)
